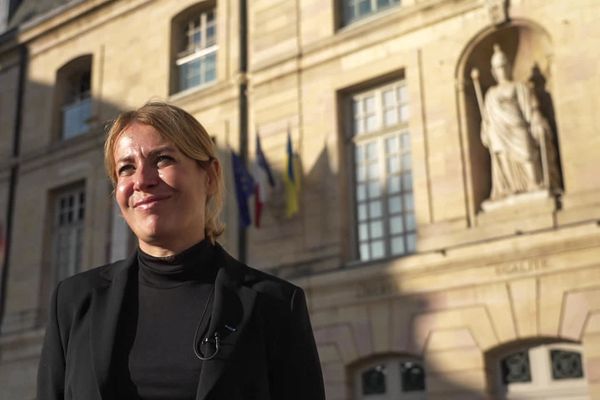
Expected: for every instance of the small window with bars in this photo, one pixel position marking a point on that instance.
(67, 231)
(541, 371)
(197, 58)
(353, 10)
(383, 191)
(391, 378)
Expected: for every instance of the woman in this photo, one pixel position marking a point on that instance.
(179, 319)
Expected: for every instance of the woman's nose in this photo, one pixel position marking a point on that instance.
(145, 176)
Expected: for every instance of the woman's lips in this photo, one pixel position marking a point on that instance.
(149, 201)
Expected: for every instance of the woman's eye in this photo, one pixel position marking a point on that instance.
(164, 160)
(125, 170)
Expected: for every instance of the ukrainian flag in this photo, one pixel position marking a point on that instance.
(291, 180)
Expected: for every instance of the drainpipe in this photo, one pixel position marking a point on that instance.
(243, 92)
(14, 173)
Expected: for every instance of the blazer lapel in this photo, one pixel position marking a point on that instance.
(105, 312)
(231, 310)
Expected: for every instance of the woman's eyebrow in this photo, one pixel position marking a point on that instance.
(151, 153)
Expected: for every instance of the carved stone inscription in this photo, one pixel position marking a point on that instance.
(376, 288)
(522, 266)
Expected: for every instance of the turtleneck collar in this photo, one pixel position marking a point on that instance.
(194, 264)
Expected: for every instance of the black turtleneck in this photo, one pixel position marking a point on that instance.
(157, 359)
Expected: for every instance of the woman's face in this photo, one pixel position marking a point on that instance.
(161, 192)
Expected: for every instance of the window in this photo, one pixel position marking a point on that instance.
(67, 230)
(383, 195)
(73, 97)
(353, 10)
(195, 43)
(397, 378)
(553, 371)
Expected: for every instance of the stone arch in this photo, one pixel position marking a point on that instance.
(529, 47)
(537, 367)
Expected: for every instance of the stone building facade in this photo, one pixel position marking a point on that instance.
(422, 282)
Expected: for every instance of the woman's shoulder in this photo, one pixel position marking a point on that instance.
(87, 281)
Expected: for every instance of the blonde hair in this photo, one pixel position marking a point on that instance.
(188, 135)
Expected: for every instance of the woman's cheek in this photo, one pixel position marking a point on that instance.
(123, 192)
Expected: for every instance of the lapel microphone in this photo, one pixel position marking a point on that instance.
(216, 338)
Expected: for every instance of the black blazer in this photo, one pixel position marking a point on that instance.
(267, 347)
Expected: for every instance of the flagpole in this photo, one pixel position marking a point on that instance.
(243, 92)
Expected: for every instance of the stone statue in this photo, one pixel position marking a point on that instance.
(516, 134)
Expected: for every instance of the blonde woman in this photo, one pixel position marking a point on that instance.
(180, 318)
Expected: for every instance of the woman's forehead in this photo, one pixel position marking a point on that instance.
(142, 139)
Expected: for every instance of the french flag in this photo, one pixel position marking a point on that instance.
(264, 182)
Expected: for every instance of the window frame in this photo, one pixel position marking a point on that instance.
(381, 134)
(394, 387)
(343, 7)
(542, 384)
(70, 97)
(183, 52)
(74, 230)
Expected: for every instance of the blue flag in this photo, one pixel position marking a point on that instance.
(244, 188)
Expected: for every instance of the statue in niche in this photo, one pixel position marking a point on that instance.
(518, 137)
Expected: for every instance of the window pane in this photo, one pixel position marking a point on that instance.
(515, 368)
(373, 381)
(210, 68)
(361, 173)
(396, 224)
(371, 123)
(376, 229)
(403, 94)
(372, 151)
(363, 232)
(390, 117)
(411, 243)
(360, 153)
(407, 181)
(405, 141)
(374, 189)
(388, 98)
(361, 192)
(362, 212)
(394, 205)
(392, 144)
(398, 246)
(566, 364)
(393, 164)
(373, 170)
(364, 7)
(406, 164)
(364, 252)
(410, 222)
(408, 201)
(377, 249)
(375, 209)
(413, 377)
(393, 184)
(370, 104)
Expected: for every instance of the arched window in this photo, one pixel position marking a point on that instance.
(73, 103)
(548, 371)
(194, 47)
(387, 378)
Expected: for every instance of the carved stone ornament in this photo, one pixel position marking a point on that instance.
(497, 11)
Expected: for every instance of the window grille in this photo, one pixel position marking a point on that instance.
(353, 10)
(67, 231)
(383, 192)
(196, 62)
